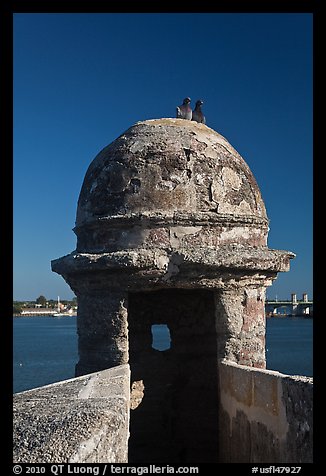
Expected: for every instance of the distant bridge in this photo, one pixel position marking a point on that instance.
(293, 307)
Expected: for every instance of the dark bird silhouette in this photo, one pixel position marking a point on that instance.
(184, 111)
(197, 114)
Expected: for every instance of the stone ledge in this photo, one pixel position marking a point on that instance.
(231, 257)
(82, 420)
(169, 219)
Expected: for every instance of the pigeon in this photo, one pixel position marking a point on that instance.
(197, 114)
(184, 111)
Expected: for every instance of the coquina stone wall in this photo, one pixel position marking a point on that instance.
(262, 416)
(82, 420)
(265, 416)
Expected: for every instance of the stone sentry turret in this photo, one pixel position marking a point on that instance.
(171, 229)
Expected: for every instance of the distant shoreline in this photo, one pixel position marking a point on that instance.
(74, 314)
(45, 314)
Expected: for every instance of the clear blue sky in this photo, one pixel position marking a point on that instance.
(80, 80)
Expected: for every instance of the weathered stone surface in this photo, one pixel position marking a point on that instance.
(265, 416)
(172, 229)
(170, 184)
(165, 165)
(82, 420)
(297, 399)
(233, 257)
(170, 204)
(102, 330)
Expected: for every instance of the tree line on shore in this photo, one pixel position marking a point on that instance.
(42, 302)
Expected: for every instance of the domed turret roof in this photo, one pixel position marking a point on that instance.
(166, 166)
(170, 203)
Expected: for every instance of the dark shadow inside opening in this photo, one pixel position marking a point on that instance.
(174, 416)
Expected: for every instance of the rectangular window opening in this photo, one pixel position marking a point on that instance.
(161, 337)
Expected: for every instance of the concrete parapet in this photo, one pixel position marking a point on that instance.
(265, 416)
(82, 420)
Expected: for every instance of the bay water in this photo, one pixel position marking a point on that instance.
(46, 351)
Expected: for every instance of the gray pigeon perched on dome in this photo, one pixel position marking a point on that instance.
(184, 111)
(197, 114)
